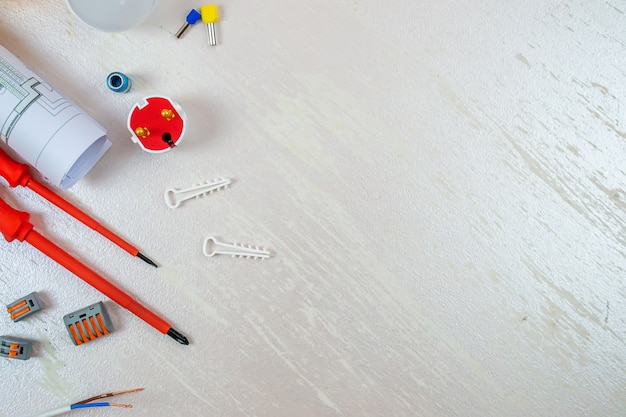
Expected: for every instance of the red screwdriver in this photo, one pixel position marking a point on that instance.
(19, 174)
(15, 224)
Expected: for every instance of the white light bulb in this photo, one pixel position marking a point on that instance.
(112, 15)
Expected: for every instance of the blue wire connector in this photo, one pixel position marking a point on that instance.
(118, 82)
(192, 18)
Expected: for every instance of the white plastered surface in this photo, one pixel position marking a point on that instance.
(441, 185)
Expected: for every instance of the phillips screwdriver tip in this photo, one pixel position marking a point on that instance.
(178, 336)
(146, 259)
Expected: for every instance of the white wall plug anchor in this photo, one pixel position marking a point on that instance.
(173, 197)
(235, 250)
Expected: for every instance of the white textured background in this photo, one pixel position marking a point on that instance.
(442, 185)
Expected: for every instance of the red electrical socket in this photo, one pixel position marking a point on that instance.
(157, 124)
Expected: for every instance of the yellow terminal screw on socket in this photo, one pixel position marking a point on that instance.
(167, 114)
(142, 131)
(210, 16)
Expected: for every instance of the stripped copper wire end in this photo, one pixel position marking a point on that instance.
(111, 394)
(120, 405)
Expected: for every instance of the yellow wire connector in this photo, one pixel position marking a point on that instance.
(210, 15)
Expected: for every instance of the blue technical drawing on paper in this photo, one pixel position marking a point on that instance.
(44, 128)
(18, 91)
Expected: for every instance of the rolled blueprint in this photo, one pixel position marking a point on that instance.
(44, 128)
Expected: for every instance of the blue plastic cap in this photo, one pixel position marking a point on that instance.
(118, 82)
(193, 17)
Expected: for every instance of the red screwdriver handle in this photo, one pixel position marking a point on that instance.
(19, 174)
(14, 172)
(14, 224)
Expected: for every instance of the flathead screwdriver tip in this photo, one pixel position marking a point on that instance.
(178, 336)
(146, 259)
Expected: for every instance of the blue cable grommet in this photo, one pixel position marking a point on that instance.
(118, 82)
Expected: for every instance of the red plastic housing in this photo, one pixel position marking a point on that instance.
(158, 124)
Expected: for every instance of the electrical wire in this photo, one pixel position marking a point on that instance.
(107, 395)
(89, 404)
